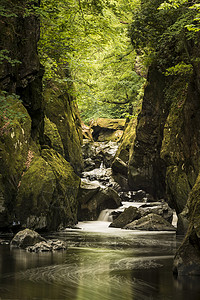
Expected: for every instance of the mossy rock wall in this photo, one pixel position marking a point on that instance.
(187, 258)
(146, 168)
(180, 146)
(62, 111)
(15, 142)
(37, 187)
(47, 196)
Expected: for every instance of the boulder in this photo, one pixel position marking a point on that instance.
(103, 199)
(26, 238)
(127, 216)
(160, 208)
(45, 246)
(151, 222)
(107, 129)
(99, 153)
(87, 190)
(119, 166)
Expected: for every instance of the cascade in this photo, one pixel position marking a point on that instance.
(105, 215)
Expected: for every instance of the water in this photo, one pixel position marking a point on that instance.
(101, 263)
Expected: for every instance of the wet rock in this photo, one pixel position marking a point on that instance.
(160, 208)
(87, 190)
(103, 199)
(151, 222)
(142, 196)
(99, 153)
(26, 238)
(127, 216)
(183, 221)
(119, 166)
(45, 246)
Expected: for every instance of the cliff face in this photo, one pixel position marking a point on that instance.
(166, 154)
(146, 168)
(38, 186)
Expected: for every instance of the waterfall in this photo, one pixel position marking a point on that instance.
(105, 215)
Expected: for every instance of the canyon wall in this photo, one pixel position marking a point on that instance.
(40, 137)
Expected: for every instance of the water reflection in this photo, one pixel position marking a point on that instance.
(102, 264)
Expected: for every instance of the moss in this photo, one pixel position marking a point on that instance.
(47, 195)
(52, 136)
(178, 187)
(62, 111)
(187, 259)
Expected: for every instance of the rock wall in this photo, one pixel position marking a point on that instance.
(38, 184)
(166, 154)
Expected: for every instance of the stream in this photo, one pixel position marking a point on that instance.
(100, 263)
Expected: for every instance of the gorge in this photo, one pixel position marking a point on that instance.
(57, 174)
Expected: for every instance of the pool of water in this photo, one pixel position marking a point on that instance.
(100, 263)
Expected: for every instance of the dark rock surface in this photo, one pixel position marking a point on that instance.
(151, 222)
(104, 198)
(127, 216)
(159, 208)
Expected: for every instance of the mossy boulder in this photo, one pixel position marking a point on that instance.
(46, 198)
(52, 136)
(26, 238)
(62, 110)
(104, 129)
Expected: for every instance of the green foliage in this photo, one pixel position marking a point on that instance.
(84, 44)
(180, 69)
(4, 56)
(161, 33)
(8, 112)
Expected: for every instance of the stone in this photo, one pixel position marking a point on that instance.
(151, 222)
(119, 166)
(160, 208)
(46, 246)
(103, 199)
(107, 129)
(26, 238)
(127, 216)
(87, 190)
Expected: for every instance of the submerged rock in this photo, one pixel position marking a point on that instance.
(127, 216)
(26, 238)
(151, 222)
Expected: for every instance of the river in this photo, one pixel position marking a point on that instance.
(101, 263)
